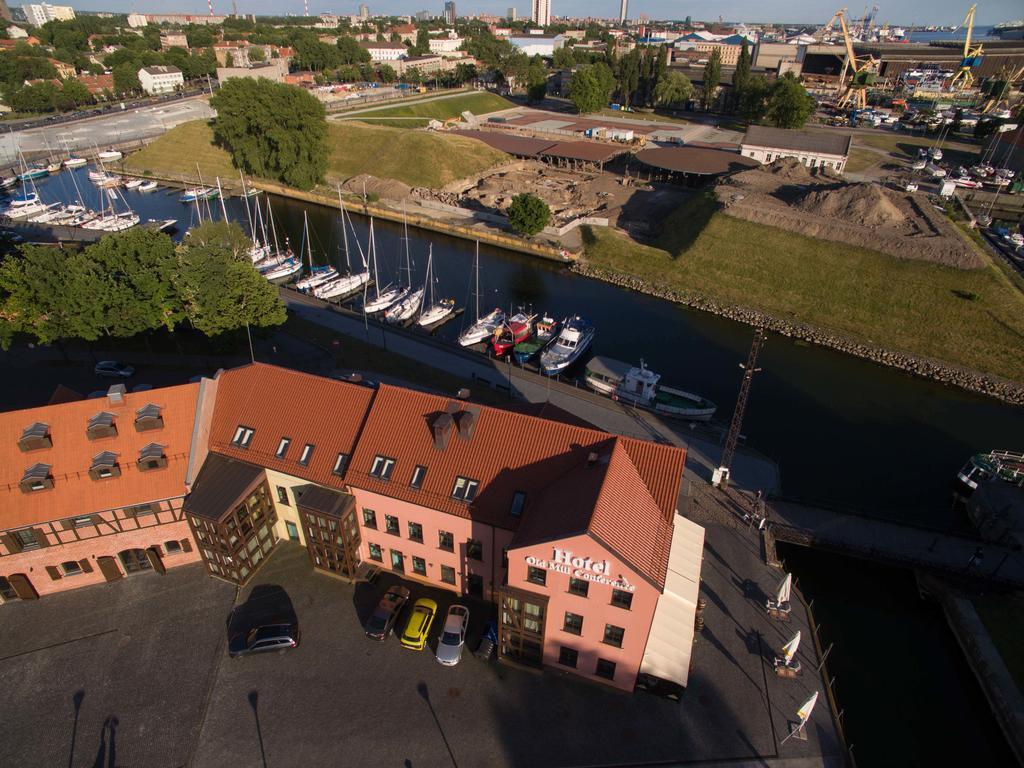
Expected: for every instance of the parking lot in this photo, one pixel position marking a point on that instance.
(136, 673)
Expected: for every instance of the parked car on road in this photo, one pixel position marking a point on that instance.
(113, 369)
(417, 626)
(453, 637)
(382, 622)
(268, 637)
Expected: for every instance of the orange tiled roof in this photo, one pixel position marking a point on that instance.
(278, 402)
(74, 492)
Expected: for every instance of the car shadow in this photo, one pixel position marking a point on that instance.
(266, 604)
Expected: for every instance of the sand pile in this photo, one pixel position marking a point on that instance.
(385, 189)
(867, 204)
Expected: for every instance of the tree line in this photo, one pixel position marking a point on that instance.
(136, 281)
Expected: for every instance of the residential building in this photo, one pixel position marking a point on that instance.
(544, 45)
(275, 70)
(511, 14)
(160, 79)
(97, 84)
(385, 51)
(623, 10)
(93, 489)
(15, 32)
(406, 33)
(815, 149)
(364, 12)
(64, 70)
(170, 40)
(136, 20)
(449, 12)
(39, 14)
(541, 15)
(5, 12)
(446, 44)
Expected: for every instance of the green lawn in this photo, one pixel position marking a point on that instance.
(903, 145)
(972, 318)
(1003, 617)
(479, 103)
(861, 159)
(649, 116)
(417, 159)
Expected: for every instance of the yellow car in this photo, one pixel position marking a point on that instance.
(417, 626)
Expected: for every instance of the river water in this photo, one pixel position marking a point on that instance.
(844, 432)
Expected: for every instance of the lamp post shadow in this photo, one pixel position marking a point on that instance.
(424, 693)
(76, 700)
(254, 702)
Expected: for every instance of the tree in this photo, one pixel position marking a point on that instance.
(422, 46)
(72, 94)
(229, 59)
(350, 51)
(199, 36)
(413, 76)
(126, 77)
(564, 58)
(754, 99)
(536, 81)
(712, 77)
(387, 73)
(674, 88)
(528, 214)
(34, 98)
(272, 130)
(789, 104)
(585, 91)
(257, 54)
(741, 75)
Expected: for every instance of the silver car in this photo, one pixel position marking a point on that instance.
(453, 637)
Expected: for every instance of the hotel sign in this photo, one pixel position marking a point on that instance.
(598, 571)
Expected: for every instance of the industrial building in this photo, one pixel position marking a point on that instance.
(815, 149)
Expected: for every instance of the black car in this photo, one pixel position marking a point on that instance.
(383, 619)
(268, 637)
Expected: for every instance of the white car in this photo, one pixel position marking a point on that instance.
(453, 636)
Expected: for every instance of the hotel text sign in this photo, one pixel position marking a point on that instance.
(598, 571)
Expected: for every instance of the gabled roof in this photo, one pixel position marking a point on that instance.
(71, 455)
(278, 402)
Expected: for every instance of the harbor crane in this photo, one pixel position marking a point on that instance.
(964, 77)
(998, 89)
(863, 68)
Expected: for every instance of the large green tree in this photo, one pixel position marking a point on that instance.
(789, 104)
(272, 130)
(350, 51)
(528, 214)
(536, 80)
(712, 77)
(126, 77)
(674, 88)
(754, 99)
(741, 75)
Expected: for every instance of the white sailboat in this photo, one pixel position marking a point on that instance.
(483, 327)
(780, 602)
(391, 294)
(409, 306)
(351, 283)
(435, 311)
(317, 275)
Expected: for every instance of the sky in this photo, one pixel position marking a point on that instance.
(937, 12)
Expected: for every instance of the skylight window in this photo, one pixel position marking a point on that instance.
(243, 436)
(518, 500)
(340, 463)
(382, 467)
(282, 447)
(465, 489)
(418, 474)
(307, 454)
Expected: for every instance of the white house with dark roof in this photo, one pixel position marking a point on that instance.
(160, 79)
(815, 149)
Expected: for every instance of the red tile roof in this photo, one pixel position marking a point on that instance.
(74, 492)
(278, 402)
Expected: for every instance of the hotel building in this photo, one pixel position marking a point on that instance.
(570, 531)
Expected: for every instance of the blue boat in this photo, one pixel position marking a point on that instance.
(33, 173)
(544, 333)
(575, 339)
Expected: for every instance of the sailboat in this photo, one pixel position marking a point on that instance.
(406, 309)
(803, 715)
(290, 265)
(392, 294)
(436, 311)
(780, 602)
(346, 285)
(482, 327)
(71, 161)
(317, 275)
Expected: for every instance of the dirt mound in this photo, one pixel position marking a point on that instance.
(788, 168)
(385, 189)
(867, 204)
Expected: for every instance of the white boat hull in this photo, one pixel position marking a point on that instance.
(406, 309)
(386, 300)
(435, 314)
(342, 286)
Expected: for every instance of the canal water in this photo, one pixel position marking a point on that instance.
(845, 432)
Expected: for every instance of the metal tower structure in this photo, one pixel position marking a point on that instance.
(210, 4)
(721, 475)
(964, 77)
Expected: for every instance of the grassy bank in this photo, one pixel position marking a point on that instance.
(418, 159)
(971, 318)
(479, 103)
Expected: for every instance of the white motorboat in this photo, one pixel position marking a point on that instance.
(641, 387)
(75, 162)
(574, 339)
(109, 155)
(483, 327)
(54, 168)
(148, 186)
(133, 184)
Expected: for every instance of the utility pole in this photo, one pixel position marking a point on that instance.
(720, 477)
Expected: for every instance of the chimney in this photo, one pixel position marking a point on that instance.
(116, 393)
(442, 429)
(463, 394)
(355, 378)
(466, 423)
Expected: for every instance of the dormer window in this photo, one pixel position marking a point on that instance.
(282, 447)
(243, 436)
(36, 478)
(101, 425)
(35, 437)
(104, 466)
(307, 454)
(152, 457)
(148, 417)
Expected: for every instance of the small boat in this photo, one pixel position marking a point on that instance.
(935, 170)
(343, 286)
(7, 182)
(109, 182)
(283, 269)
(97, 175)
(919, 165)
(517, 328)
(1004, 466)
(148, 186)
(26, 205)
(250, 192)
(109, 155)
(53, 211)
(641, 387)
(405, 309)
(545, 331)
(967, 183)
(54, 168)
(113, 222)
(483, 328)
(387, 298)
(317, 276)
(198, 193)
(435, 311)
(35, 172)
(75, 162)
(133, 184)
(935, 153)
(574, 339)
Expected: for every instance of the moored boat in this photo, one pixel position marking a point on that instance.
(23, 206)
(147, 186)
(133, 184)
(193, 194)
(483, 328)
(545, 330)
(35, 172)
(641, 387)
(317, 276)
(343, 286)
(109, 155)
(387, 298)
(405, 309)
(75, 162)
(998, 465)
(517, 328)
(572, 341)
(283, 269)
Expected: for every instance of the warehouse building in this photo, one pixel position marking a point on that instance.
(815, 149)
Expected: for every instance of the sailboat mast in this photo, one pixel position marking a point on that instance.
(309, 245)
(273, 229)
(248, 208)
(373, 258)
(408, 259)
(223, 207)
(476, 264)
(344, 231)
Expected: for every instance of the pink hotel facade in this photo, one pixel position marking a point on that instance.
(570, 531)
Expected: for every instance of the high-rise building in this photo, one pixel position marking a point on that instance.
(364, 12)
(38, 15)
(5, 12)
(449, 12)
(512, 14)
(541, 12)
(623, 10)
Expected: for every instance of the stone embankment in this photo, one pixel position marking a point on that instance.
(993, 386)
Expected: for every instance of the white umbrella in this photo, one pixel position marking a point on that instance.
(784, 589)
(804, 713)
(789, 649)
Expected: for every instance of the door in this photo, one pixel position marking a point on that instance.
(475, 585)
(6, 590)
(157, 563)
(22, 586)
(134, 560)
(109, 569)
(293, 530)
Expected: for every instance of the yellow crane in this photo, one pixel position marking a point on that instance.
(964, 77)
(863, 68)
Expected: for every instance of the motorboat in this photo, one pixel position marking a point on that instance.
(148, 186)
(517, 328)
(54, 167)
(571, 343)
(483, 328)
(641, 387)
(109, 155)
(385, 299)
(317, 276)
(193, 194)
(545, 331)
(7, 182)
(967, 182)
(1000, 465)
(133, 184)
(75, 162)
(935, 171)
(34, 172)
(24, 206)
